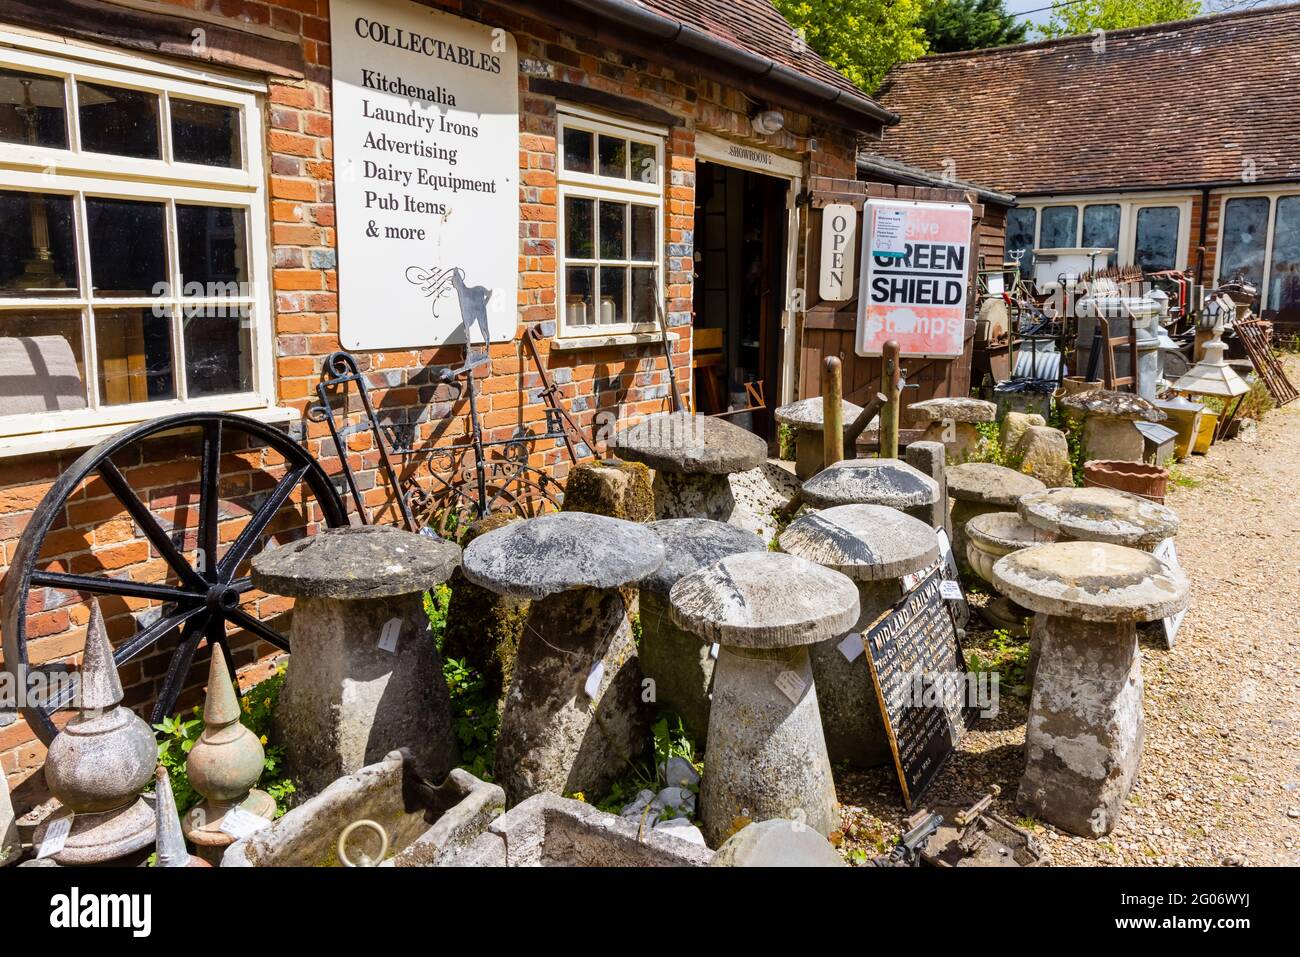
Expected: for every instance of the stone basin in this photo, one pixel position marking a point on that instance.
(995, 534)
(308, 835)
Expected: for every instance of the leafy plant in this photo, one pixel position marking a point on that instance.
(785, 442)
(1007, 657)
(436, 602)
(670, 740)
(474, 717)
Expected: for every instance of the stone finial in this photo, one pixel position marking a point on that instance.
(955, 409)
(1100, 515)
(1116, 405)
(692, 543)
(691, 444)
(864, 542)
(555, 553)
(765, 600)
(171, 848)
(101, 688)
(990, 484)
(807, 414)
(362, 561)
(1092, 581)
(888, 482)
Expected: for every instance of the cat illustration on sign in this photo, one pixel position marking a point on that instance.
(435, 283)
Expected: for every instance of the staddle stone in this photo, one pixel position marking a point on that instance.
(574, 715)
(777, 843)
(365, 677)
(806, 417)
(953, 422)
(1100, 515)
(1083, 737)
(875, 546)
(677, 661)
(888, 482)
(977, 488)
(767, 752)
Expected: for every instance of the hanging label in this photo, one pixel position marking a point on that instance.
(851, 647)
(240, 824)
(594, 679)
(56, 836)
(713, 650)
(791, 685)
(1168, 556)
(389, 634)
(950, 590)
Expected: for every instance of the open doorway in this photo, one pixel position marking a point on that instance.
(740, 262)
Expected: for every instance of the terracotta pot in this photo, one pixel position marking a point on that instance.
(1149, 481)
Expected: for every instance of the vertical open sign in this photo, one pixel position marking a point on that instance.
(914, 277)
(838, 265)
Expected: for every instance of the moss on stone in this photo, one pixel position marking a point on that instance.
(615, 489)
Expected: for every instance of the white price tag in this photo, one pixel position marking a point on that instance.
(240, 824)
(1168, 556)
(851, 646)
(950, 590)
(389, 634)
(56, 836)
(714, 649)
(594, 679)
(791, 685)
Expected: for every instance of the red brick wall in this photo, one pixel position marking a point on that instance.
(628, 382)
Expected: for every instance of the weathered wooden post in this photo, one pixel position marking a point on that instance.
(832, 411)
(889, 384)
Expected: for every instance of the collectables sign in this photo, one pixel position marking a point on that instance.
(914, 275)
(426, 153)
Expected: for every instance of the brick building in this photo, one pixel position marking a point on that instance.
(164, 162)
(1168, 143)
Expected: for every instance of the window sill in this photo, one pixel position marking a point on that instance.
(64, 440)
(562, 344)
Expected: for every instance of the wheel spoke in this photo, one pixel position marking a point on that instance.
(113, 586)
(119, 486)
(257, 524)
(250, 624)
(179, 666)
(210, 497)
(147, 636)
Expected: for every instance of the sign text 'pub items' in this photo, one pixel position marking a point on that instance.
(915, 268)
(426, 142)
(921, 683)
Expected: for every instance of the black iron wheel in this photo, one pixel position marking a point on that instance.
(204, 584)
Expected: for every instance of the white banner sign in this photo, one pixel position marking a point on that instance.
(839, 233)
(426, 154)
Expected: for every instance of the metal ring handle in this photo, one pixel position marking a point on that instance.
(347, 832)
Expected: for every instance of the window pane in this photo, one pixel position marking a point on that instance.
(613, 157)
(32, 109)
(135, 356)
(37, 245)
(1101, 229)
(218, 350)
(577, 151)
(1021, 222)
(1284, 273)
(578, 282)
(1060, 227)
(127, 246)
(118, 121)
(643, 233)
(1245, 223)
(613, 295)
(213, 250)
(1155, 245)
(613, 230)
(645, 168)
(643, 296)
(41, 362)
(205, 133)
(579, 228)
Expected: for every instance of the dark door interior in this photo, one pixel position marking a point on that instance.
(740, 242)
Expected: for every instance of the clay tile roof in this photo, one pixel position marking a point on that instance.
(1184, 103)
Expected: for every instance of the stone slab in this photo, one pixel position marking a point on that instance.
(692, 543)
(1100, 515)
(888, 482)
(364, 561)
(990, 484)
(694, 444)
(864, 542)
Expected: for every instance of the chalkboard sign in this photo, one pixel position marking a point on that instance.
(920, 679)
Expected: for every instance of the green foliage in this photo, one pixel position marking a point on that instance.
(670, 741)
(785, 440)
(1008, 657)
(436, 603)
(860, 38)
(953, 25)
(474, 717)
(990, 449)
(177, 734)
(1073, 439)
(1089, 16)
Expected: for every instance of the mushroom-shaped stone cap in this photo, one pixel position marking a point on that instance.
(765, 600)
(538, 557)
(865, 542)
(691, 444)
(888, 482)
(1005, 532)
(956, 409)
(1117, 405)
(808, 413)
(1100, 515)
(1092, 581)
(989, 484)
(692, 543)
(363, 561)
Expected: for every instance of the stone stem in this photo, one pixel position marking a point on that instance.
(697, 495)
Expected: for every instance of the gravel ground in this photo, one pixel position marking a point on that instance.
(1219, 782)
